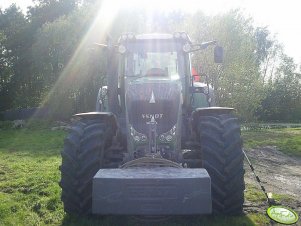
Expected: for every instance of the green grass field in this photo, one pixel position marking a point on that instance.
(29, 175)
(287, 140)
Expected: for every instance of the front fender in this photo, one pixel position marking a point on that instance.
(210, 111)
(107, 117)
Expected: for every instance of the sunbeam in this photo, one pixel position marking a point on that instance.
(97, 32)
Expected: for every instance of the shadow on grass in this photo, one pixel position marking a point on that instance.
(242, 220)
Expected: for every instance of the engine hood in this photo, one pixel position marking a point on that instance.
(153, 101)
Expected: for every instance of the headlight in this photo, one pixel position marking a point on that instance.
(186, 48)
(177, 35)
(124, 37)
(138, 137)
(121, 49)
(184, 36)
(104, 91)
(168, 136)
(181, 35)
(131, 36)
(206, 90)
(127, 36)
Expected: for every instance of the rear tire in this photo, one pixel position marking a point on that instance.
(222, 157)
(86, 150)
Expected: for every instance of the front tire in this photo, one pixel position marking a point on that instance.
(222, 156)
(83, 155)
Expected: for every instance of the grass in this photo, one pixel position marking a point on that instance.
(254, 194)
(29, 161)
(287, 140)
(29, 175)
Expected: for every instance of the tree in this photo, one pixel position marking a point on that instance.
(237, 82)
(69, 66)
(14, 56)
(6, 73)
(283, 94)
(49, 10)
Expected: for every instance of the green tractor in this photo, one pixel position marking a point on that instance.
(156, 144)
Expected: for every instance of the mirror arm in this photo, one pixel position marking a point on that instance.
(105, 46)
(101, 45)
(203, 45)
(194, 50)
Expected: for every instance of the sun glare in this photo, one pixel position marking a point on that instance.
(108, 10)
(97, 31)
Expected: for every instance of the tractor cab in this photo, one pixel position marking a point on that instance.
(153, 56)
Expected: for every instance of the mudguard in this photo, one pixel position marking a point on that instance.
(108, 117)
(211, 111)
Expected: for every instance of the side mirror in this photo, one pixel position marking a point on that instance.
(218, 54)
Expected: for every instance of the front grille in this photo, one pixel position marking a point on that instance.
(164, 109)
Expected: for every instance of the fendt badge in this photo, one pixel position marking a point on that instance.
(149, 116)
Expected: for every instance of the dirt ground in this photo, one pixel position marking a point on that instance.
(279, 173)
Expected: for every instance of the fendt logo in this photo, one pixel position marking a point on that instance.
(149, 116)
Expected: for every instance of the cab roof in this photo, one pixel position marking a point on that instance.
(180, 36)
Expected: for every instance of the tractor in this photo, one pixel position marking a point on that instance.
(156, 143)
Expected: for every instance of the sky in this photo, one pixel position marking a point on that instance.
(283, 18)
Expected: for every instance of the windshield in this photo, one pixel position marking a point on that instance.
(152, 61)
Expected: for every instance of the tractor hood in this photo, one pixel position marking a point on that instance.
(156, 101)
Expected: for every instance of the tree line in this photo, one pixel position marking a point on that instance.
(47, 58)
